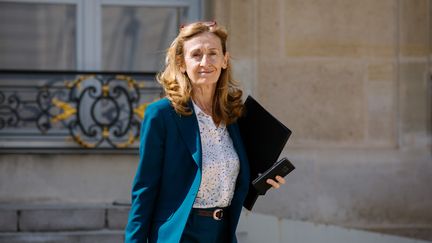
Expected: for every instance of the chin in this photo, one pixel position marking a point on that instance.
(205, 82)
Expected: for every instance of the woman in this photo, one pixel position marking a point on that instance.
(193, 173)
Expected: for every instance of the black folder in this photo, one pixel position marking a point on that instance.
(264, 138)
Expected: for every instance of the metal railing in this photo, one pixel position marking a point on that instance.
(53, 111)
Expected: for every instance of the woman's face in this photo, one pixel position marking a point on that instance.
(204, 59)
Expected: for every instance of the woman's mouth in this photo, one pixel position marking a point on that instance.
(205, 72)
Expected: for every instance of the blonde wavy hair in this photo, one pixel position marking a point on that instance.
(227, 101)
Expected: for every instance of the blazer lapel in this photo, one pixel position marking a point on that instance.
(188, 128)
(242, 186)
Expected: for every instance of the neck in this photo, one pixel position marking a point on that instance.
(203, 98)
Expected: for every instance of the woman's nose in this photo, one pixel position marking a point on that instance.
(205, 60)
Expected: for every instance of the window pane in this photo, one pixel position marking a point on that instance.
(37, 36)
(136, 38)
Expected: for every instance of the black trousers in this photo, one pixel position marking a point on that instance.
(203, 229)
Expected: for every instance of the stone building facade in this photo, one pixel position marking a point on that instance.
(352, 79)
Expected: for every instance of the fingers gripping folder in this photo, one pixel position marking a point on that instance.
(264, 138)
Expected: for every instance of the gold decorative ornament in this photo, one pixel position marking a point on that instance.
(67, 110)
(130, 141)
(140, 110)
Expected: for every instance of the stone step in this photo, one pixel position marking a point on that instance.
(48, 218)
(105, 236)
(259, 228)
(106, 223)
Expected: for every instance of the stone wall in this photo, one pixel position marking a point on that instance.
(351, 79)
(66, 178)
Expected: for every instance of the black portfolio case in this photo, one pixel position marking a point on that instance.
(264, 138)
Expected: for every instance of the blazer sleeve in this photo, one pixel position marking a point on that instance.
(146, 183)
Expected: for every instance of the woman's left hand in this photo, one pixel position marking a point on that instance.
(274, 184)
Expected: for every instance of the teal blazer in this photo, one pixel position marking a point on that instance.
(169, 175)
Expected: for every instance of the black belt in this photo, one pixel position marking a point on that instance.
(215, 213)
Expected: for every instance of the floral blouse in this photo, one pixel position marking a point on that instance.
(220, 164)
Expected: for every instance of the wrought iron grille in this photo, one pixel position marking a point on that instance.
(60, 110)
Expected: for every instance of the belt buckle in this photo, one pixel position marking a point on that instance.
(218, 214)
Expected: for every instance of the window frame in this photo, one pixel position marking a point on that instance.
(89, 23)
